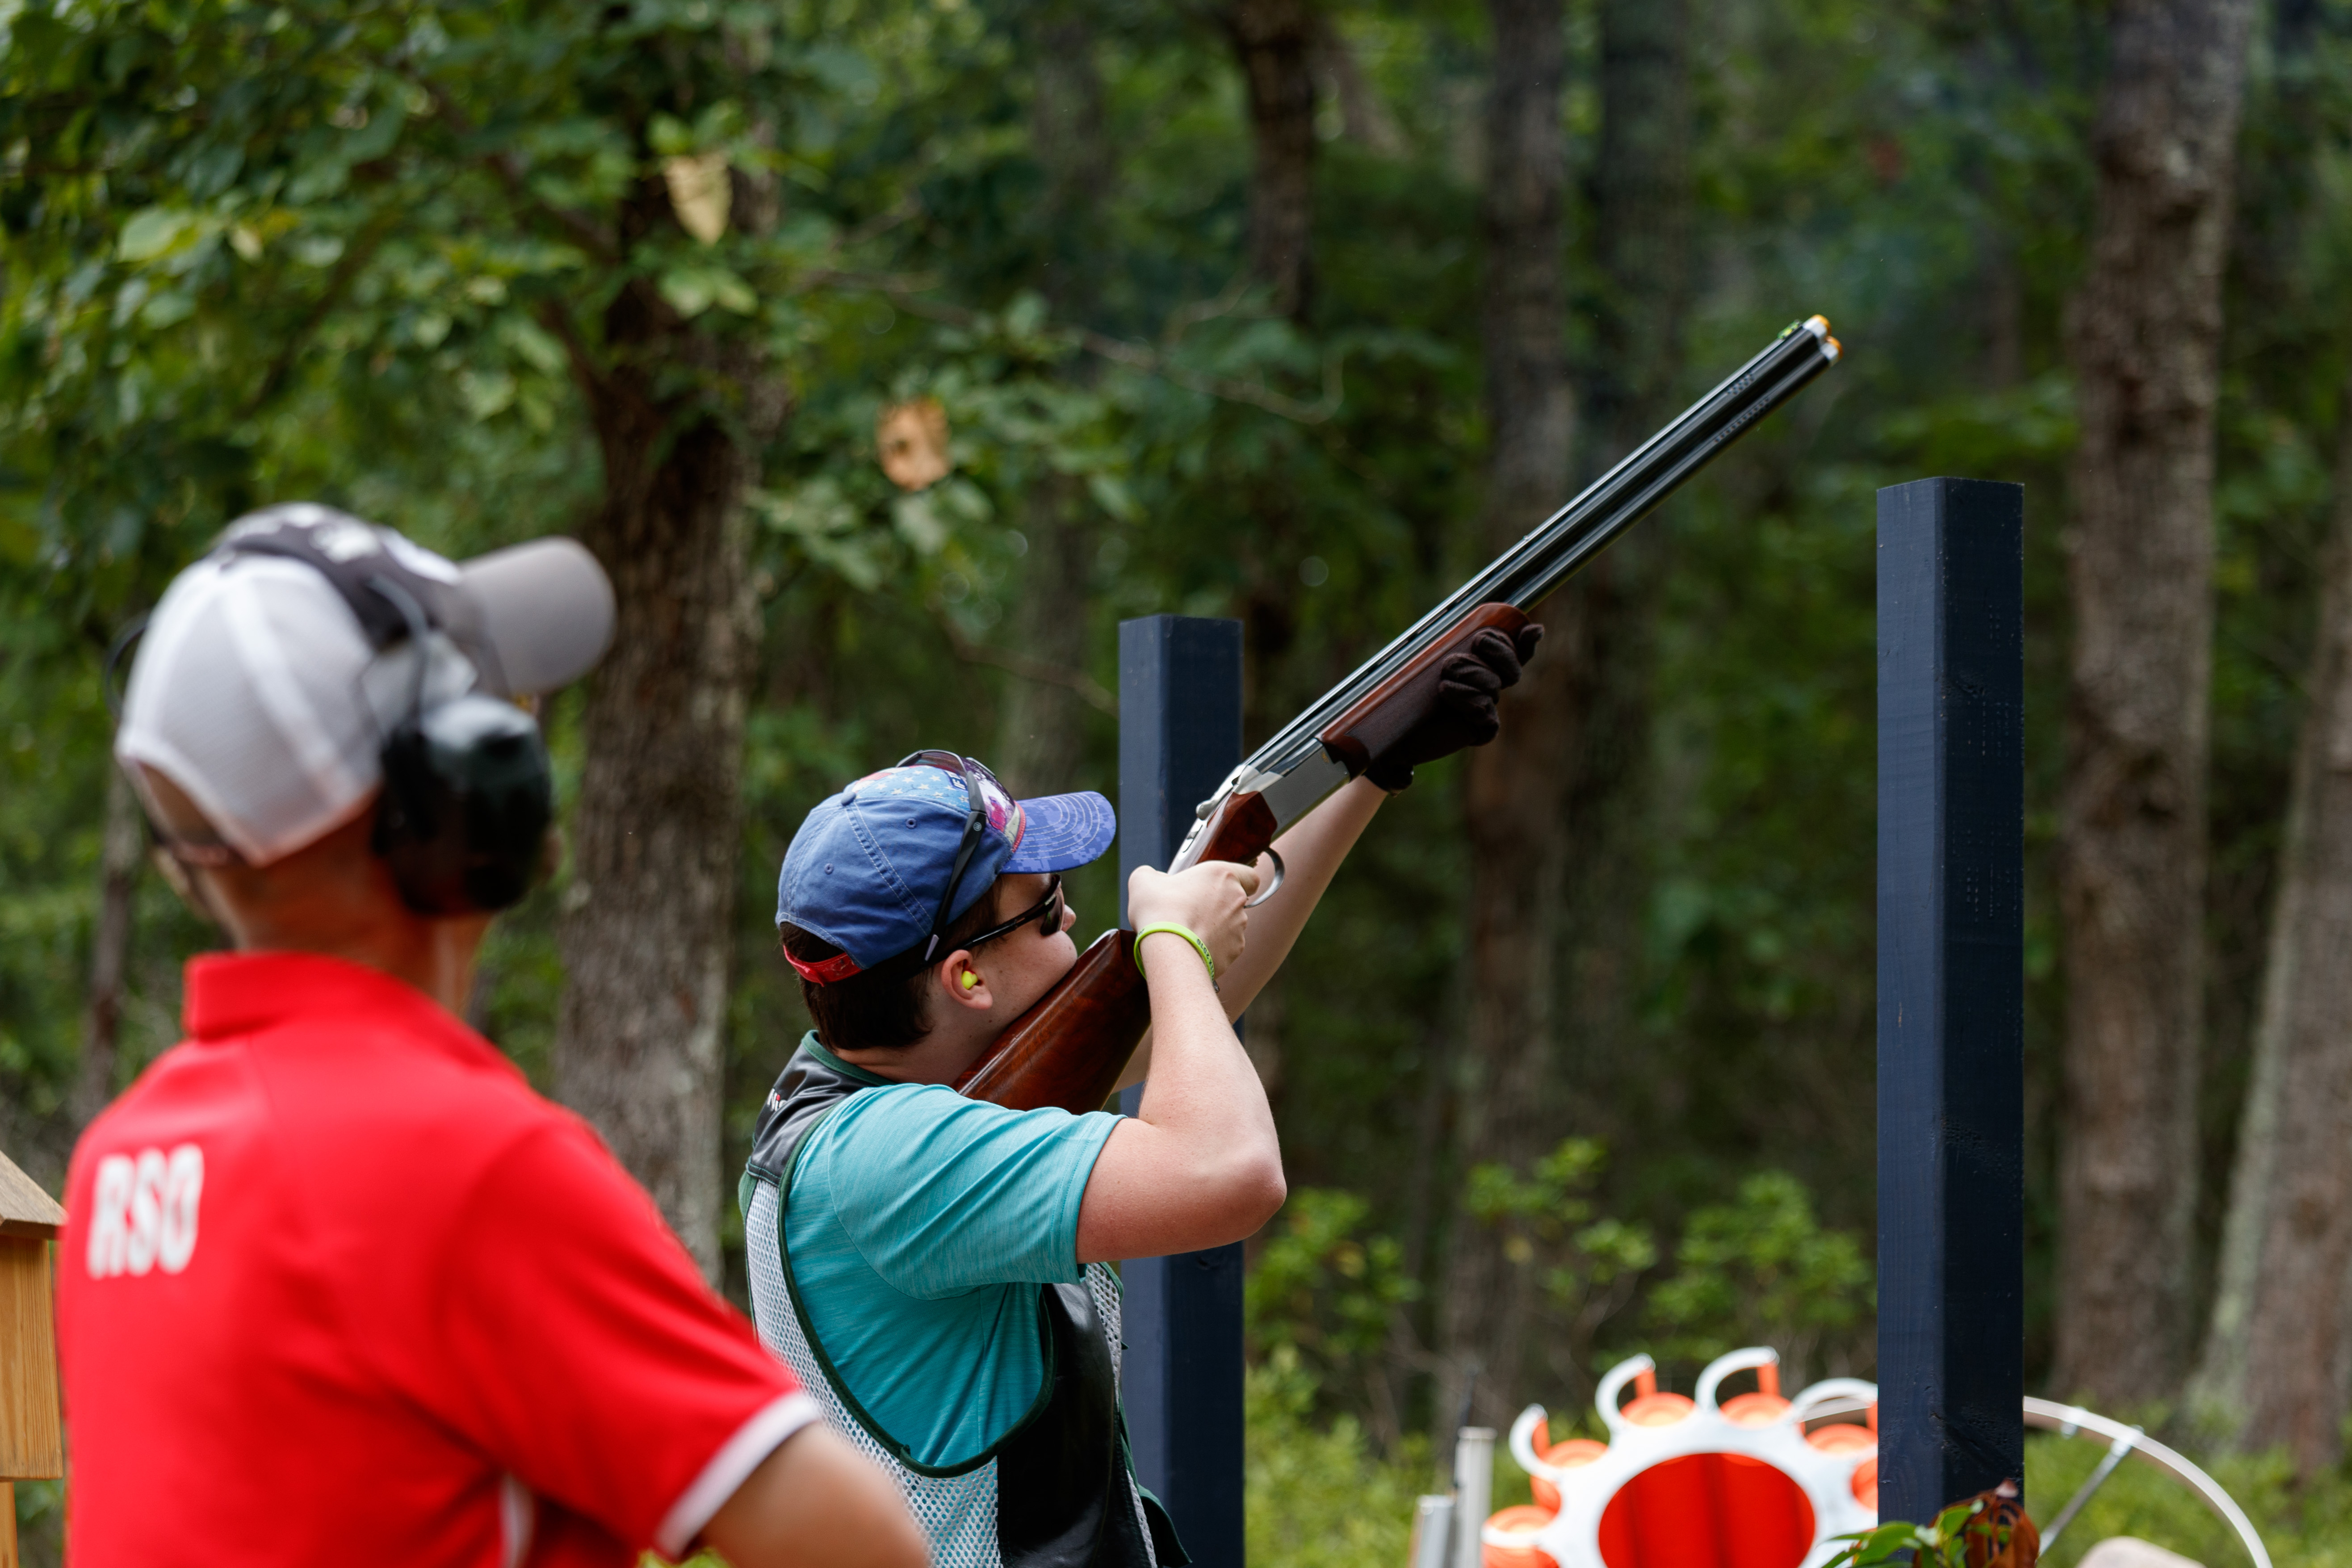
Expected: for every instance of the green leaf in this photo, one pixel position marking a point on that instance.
(692, 289)
(732, 293)
(486, 393)
(534, 344)
(688, 289)
(919, 523)
(1111, 494)
(319, 250)
(154, 231)
(167, 309)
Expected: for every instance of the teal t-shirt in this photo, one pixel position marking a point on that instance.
(920, 1225)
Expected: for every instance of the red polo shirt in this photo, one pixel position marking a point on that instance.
(339, 1287)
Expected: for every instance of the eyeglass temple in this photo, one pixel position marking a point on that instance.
(974, 824)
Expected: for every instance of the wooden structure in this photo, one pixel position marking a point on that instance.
(1179, 733)
(32, 1436)
(1951, 992)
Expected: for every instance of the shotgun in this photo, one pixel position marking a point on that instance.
(1071, 1047)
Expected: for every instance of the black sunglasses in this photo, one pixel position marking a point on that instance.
(1046, 912)
(975, 824)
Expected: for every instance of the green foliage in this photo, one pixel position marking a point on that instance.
(1322, 1293)
(1317, 1497)
(41, 1520)
(2302, 1527)
(1943, 1542)
(1587, 1263)
(1762, 1270)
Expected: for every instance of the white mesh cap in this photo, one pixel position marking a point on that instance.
(257, 693)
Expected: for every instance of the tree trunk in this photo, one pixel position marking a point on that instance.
(1364, 118)
(1642, 204)
(1275, 40)
(1041, 731)
(120, 847)
(1277, 44)
(1641, 208)
(2273, 1368)
(2144, 339)
(1515, 793)
(1068, 133)
(648, 922)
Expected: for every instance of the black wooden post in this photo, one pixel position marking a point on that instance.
(1180, 732)
(1951, 952)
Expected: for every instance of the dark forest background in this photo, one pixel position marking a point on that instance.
(1293, 310)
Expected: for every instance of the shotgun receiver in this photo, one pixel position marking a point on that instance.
(1070, 1048)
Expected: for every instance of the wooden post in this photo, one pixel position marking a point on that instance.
(1951, 982)
(32, 1437)
(1180, 732)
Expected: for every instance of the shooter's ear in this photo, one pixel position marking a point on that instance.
(963, 982)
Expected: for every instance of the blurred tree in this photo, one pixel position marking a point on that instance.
(1582, 1266)
(121, 847)
(1275, 46)
(2144, 342)
(2279, 1323)
(1326, 1292)
(1640, 204)
(1042, 728)
(2286, 1205)
(1273, 41)
(682, 405)
(1762, 1270)
(1516, 791)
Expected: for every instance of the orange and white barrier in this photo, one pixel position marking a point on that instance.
(1695, 1482)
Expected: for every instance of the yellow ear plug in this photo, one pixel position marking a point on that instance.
(970, 980)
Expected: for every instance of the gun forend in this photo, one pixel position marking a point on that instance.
(1359, 736)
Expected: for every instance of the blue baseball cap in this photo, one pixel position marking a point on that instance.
(867, 869)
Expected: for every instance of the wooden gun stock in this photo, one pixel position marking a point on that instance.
(1070, 1048)
(1390, 710)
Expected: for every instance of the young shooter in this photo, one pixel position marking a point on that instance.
(338, 1287)
(936, 1267)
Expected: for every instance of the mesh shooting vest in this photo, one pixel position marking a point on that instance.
(1057, 1492)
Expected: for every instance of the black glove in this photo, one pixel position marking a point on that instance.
(1468, 685)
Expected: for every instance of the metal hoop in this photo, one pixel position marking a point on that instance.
(2070, 1421)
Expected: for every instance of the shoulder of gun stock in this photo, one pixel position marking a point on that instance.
(1069, 1050)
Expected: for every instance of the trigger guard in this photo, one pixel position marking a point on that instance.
(1271, 887)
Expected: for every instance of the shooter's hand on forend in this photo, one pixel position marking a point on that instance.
(1469, 685)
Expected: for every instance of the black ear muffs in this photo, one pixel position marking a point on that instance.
(467, 797)
(467, 793)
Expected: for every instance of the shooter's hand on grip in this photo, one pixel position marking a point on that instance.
(1470, 685)
(1199, 1163)
(1207, 899)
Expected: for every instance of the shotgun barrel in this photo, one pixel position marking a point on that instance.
(1070, 1048)
(1551, 552)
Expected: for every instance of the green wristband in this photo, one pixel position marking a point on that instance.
(1173, 929)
